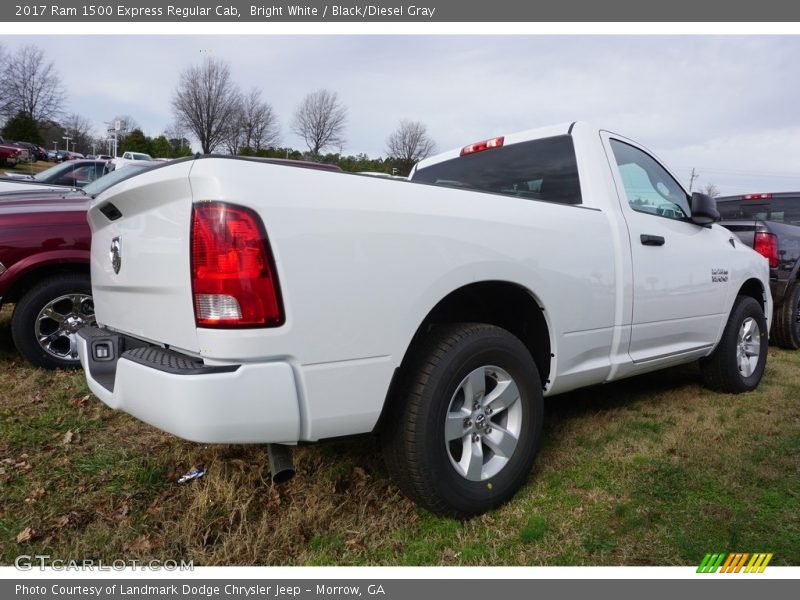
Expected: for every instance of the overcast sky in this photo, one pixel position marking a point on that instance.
(725, 105)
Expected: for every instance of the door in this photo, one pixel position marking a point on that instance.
(680, 269)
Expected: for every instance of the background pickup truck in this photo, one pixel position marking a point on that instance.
(770, 223)
(130, 158)
(241, 301)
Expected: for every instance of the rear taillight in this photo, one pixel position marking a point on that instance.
(766, 244)
(484, 145)
(234, 282)
(757, 196)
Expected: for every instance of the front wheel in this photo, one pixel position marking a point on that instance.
(467, 420)
(737, 364)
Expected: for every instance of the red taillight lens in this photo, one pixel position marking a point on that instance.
(234, 282)
(757, 196)
(484, 145)
(766, 244)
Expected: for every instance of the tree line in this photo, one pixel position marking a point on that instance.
(207, 105)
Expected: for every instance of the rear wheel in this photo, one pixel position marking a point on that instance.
(737, 364)
(47, 318)
(786, 330)
(467, 420)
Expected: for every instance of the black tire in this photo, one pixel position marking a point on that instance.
(57, 353)
(721, 371)
(414, 445)
(786, 328)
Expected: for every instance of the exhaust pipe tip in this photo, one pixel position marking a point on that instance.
(281, 464)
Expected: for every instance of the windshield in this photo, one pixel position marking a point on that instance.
(47, 174)
(106, 181)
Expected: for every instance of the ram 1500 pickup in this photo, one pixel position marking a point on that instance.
(240, 301)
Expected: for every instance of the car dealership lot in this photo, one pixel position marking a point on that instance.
(654, 470)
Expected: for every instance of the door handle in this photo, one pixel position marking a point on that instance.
(651, 240)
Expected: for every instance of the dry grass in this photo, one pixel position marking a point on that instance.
(654, 470)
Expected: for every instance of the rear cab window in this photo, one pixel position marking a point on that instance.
(543, 169)
(777, 210)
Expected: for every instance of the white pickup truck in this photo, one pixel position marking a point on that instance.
(129, 158)
(240, 301)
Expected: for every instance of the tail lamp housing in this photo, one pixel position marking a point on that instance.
(766, 244)
(234, 280)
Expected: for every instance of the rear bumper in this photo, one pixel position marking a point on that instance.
(235, 403)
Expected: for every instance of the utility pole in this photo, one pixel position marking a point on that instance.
(692, 177)
(67, 139)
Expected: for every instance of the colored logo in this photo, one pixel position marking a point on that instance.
(737, 562)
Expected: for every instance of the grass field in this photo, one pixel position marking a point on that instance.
(30, 168)
(650, 471)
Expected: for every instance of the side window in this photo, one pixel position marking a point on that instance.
(66, 177)
(648, 186)
(83, 174)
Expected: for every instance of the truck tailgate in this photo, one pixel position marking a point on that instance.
(140, 257)
(744, 230)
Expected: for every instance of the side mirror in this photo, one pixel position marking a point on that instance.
(704, 209)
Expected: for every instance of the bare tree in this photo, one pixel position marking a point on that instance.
(260, 122)
(3, 99)
(255, 125)
(81, 130)
(206, 102)
(177, 134)
(320, 120)
(176, 131)
(234, 134)
(31, 85)
(711, 189)
(409, 144)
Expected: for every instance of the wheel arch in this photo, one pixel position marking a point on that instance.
(501, 303)
(33, 275)
(753, 288)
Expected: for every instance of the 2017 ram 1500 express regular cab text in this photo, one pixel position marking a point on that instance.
(239, 301)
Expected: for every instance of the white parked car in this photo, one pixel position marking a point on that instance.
(128, 158)
(240, 301)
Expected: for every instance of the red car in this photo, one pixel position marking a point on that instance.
(44, 263)
(44, 268)
(9, 155)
